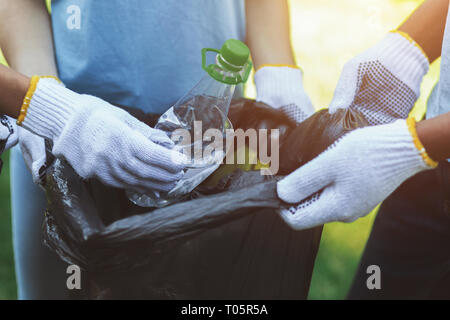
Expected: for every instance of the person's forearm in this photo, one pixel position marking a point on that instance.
(13, 88)
(26, 37)
(27, 44)
(268, 32)
(426, 26)
(435, 136)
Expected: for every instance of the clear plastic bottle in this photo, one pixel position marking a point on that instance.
(204, 107)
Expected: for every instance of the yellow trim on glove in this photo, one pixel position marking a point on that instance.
(411, 122)
(26, 101)
(408, 37)
(277, 66)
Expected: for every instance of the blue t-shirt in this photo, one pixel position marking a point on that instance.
(439, 101)
(139, 53)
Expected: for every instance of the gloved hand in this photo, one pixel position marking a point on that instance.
(34, 151)
(34, 154)
(99, 140)
(282, 88)
(354, 175)
(384, 81)
(8, 133)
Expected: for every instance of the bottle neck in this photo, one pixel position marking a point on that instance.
(223, 72)
(228, 66)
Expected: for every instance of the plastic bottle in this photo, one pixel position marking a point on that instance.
(204, 107)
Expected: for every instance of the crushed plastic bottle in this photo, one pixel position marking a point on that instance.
(190, 120)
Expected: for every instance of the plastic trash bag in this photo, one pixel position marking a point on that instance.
(316, 134)
(226, 241)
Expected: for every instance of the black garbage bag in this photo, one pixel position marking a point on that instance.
(249, 114)
(316, 134)
(225, 241)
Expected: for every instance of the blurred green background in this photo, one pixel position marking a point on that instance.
(325, 34)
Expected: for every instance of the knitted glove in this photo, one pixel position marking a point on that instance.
(384, 81)
(354, 175)
(99, 140)
(34, 154)
(282, 88)
(33, 149)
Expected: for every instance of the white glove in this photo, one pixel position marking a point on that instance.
(34, 154)
(34, 151)
(384, 81)
(281, 87)
(8, 133)
(101, 141)
(354, 175)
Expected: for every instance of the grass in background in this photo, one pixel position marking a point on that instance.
(7, 275)
(325, 34)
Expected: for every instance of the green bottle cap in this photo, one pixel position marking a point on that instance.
(233, 64)
(234, 54)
